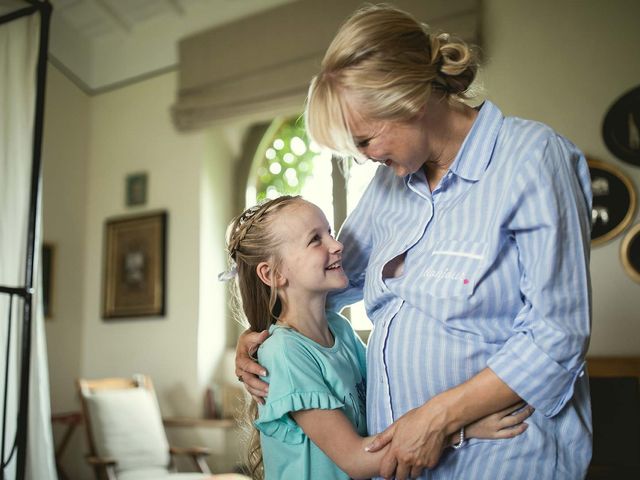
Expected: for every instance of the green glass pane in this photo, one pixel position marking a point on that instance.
(287, 162)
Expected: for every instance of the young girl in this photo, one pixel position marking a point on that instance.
(312, 425)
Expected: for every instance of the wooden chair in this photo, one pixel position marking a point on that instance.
(126, 435)
(615, 405)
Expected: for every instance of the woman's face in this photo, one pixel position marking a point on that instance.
(402, 146)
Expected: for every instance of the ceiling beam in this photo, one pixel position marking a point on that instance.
(176, 7)
(114, 15)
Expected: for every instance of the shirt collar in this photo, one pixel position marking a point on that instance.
(475, 154)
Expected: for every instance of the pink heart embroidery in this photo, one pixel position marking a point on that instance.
(466, 281)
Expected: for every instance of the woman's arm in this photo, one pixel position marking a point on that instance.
(418, 438)
(334, 434)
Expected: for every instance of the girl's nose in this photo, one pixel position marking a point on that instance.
(337, 246)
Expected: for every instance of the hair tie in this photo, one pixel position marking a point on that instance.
(228, 274)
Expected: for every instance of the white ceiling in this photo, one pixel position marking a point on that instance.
(102, 44)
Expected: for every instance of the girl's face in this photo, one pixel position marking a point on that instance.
(311, 257)
(402, 146)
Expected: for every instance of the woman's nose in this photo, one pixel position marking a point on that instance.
(363, 157)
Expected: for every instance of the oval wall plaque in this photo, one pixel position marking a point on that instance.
(614, 201)
(621, 127)
(630, 253)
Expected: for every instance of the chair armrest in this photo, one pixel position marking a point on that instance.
(100, 461)
(103, 466)
(190, 451)
(197, 454)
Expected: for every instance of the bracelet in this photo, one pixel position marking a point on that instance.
(461, 442)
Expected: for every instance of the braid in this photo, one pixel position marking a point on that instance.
(242, 226)
(250, 217)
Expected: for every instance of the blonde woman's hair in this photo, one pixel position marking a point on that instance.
(251, 239)
(387, 64)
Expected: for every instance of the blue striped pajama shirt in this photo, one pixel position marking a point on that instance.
(496, 275)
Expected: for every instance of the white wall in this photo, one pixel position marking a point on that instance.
(215, 199)
(131, 131)
(564, 63)
(64, 166)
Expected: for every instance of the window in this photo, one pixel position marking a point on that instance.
(287, 163)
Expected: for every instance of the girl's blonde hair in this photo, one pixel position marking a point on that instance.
(388, 64)
(251, 239)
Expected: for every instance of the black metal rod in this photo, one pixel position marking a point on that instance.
(13, 450)
(23, 406)
(6, 383)
(20, 291)
(23, 12)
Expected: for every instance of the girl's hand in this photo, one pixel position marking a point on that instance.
(507, 423)
(247, 369)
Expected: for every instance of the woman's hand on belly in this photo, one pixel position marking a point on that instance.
(417, 440)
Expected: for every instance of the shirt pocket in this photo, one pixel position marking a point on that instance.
(453, 267)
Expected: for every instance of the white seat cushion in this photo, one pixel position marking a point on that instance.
(127, 426)
(154, 474)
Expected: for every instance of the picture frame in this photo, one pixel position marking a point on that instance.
(614, 201)
(630, 253)
(136, 189)
(135, 266)
(48, 264)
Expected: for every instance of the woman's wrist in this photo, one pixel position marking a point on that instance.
(444, 410)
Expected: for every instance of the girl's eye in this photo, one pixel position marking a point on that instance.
(364, 143)
(316, 238)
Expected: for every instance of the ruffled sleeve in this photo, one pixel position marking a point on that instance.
(295, 382)
(274, 420)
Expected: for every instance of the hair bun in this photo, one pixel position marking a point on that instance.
(457, 63)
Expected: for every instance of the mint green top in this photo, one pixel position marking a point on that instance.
(305, 375)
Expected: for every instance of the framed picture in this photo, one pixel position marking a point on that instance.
(48, 258)
(614, 201)
(621, 127)
(630, 253)
(136, 189)
(135, 266)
